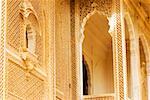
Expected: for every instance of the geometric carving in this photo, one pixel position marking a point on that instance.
(19, 87)
(120, 69)
(13, 24)
(23, 19)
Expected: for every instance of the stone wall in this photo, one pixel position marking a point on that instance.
(25, 70)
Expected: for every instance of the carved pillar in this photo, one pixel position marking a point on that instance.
(148, 79)
(2, 48)
(119, 52)
(78, 51)
(50, 50)
(135, 67)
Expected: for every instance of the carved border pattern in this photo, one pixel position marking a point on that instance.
(2, 48)
(119, 47)
(73, 51)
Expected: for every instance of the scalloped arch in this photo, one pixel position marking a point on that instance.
(85, 20)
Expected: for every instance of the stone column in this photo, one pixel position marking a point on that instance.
(78, 47)
(148, 79)
(135, 66)
(119, 52)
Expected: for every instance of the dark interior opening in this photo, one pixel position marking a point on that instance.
(85, 77)
(26, 38)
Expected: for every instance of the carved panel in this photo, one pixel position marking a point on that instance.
(13, 24)
(62, 40)
(20, 87)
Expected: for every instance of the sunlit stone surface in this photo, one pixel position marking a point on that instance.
(75, 50)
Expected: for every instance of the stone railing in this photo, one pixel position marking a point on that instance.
(99, 97)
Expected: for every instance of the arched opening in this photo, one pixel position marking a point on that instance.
(35, 24)
(32, 31)
(30, 36)
(97, 50)
(143, 72)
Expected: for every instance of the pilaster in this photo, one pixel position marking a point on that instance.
(148, 79)
(50, 50)
(135, 67)
(119, 51)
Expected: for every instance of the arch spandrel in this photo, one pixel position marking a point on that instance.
(89, 8)
(85, 20)
(103, 6)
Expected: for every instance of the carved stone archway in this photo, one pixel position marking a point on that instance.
(87, 10)
(112, 9)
